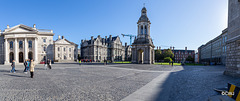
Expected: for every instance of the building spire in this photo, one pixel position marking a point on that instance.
(143, 4)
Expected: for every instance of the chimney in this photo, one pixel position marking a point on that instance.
(81, 41)
(185, 48)
(7, 26)
(159, 48)
(173, 48)
(59, 37)
(62, 37)
(110, 37)
(91, 37)
(34, 25)
(98, 36)
(125, 44)
(106, 37)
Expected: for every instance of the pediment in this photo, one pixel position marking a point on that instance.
(62, 41)
(20, 28)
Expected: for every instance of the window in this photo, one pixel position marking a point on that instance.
(145, 29)
(141, 29)
(20, 44)
(44, 48)
(69, 49)
(29, 44)
(44, 40)
(11, 45)
(58, 55)
(64, 49)
(58, 49)
(69, 55)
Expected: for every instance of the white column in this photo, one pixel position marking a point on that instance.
(25, 49)
(6, 52)
(16, 51)
(36, 50)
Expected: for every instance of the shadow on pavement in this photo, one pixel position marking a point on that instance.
(15, 75)
(193, 83)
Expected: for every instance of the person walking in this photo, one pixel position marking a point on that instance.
(32, 68)
(50, 64)
(13, 67)
(25, 65)
(28, 65)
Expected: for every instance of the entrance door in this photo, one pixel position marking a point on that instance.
(11, 57)
(20, 57)
(30, 55)
(140, 56)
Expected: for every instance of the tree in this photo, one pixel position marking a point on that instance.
(190, 59)
(157, 55)
(167, 59)
(168, 53)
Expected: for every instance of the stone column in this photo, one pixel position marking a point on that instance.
(16, 51)
(25, 49)
(6, 51)
(36, 50)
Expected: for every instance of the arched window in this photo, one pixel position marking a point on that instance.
(145, 29)
(141, 29)
(44, 48)
(29, 44)
(11, 45)
(20, 44)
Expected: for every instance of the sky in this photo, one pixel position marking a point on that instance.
(178, 23)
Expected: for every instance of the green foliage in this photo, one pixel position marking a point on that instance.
(158, 55)
(168, 53)
(190, 59)
(167, 59)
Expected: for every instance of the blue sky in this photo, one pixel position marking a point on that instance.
(177, 23)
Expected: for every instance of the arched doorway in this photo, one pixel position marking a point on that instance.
(11, 57)
(30, 56)
(20, 57)
(140, 56)
(65, 58)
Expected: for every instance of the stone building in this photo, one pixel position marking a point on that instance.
(214, 51)
(23, 42)
(180, 55)
(128, 52)
(142, 47)
(233, 41)
(65, 50)
(100, 49)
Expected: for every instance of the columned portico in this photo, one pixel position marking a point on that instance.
(6, 52)
(25, 49)
(36, 50)
(16, 51)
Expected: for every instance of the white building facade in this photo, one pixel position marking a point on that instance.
(23, 42)
(65, 50)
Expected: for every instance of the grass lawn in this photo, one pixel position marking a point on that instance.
(122, 62)
(192, 64)
(159, 63)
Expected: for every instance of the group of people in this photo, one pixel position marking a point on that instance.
(29, 66)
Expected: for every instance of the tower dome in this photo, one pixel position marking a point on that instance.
(143, 17)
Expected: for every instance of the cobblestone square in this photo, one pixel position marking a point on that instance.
(114, 82)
